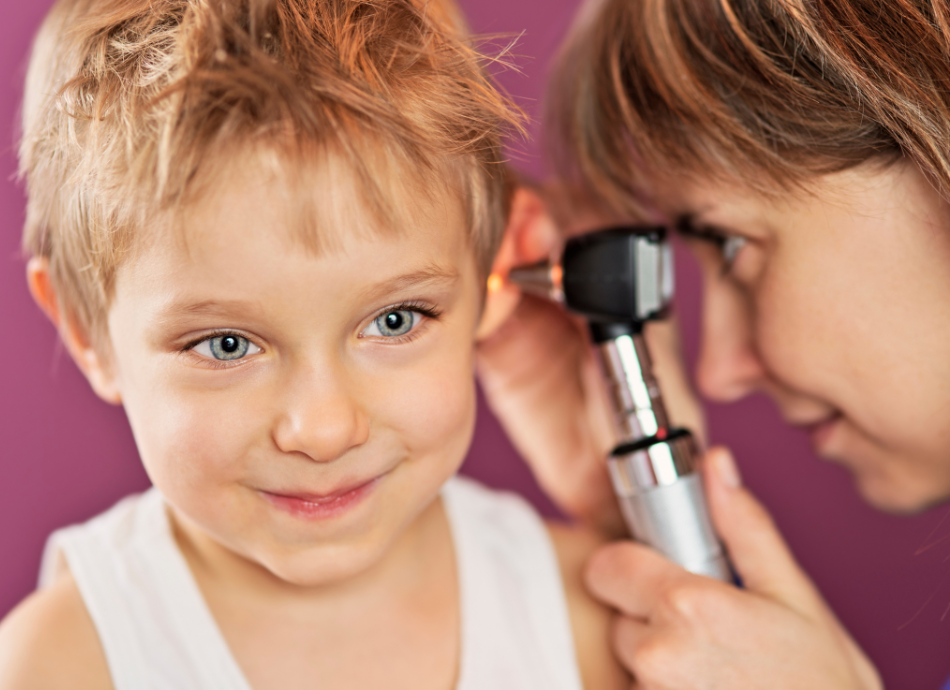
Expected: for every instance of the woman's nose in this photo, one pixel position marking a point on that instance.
(321, 416)
(729, 365)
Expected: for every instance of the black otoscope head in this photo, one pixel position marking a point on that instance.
(618, 278)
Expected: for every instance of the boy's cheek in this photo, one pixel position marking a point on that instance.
(439, 422)
(433, 402)
(191, 439)
(187, 435)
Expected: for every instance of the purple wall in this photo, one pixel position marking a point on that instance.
(66, 456)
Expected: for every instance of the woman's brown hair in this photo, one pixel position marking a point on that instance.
(768, 93)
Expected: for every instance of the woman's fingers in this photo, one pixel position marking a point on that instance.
(631, 577)
(755, 546)
(764, 560)
(680, 631)
(629, 635)
(539, 378)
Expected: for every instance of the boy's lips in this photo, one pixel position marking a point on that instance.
(320, 506)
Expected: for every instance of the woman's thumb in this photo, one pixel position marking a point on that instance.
(756, 547)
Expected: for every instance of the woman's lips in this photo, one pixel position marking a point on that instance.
(820, 433)
(317, 506)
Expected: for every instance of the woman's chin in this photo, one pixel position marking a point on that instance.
(896, 495)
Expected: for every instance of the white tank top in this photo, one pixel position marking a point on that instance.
(158, 633)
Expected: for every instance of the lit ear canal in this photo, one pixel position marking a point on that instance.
(501, 300)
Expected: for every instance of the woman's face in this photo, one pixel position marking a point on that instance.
(837, 305)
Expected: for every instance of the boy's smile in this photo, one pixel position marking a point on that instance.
(301, 408)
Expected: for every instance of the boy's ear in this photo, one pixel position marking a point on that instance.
(530, 236)
(77, 342)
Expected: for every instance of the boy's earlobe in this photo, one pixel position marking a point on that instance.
(530, 236)
(77, 343)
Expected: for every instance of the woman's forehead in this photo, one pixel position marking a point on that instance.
(896, 196)
(690, 193)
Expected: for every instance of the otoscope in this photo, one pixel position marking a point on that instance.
(619, 279)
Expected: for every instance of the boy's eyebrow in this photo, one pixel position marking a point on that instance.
(430, 274)
(207, 308)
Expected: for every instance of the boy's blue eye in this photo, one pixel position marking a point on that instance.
(395, 323)
(226, 348)
(399, 320)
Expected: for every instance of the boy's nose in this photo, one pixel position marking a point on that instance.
(729, 365)
(321, 417)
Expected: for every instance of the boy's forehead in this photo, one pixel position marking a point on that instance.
(320, 201)
(235, 257)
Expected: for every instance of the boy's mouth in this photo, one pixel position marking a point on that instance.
(320, 506)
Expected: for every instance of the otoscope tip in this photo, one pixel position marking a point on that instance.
(543, 279)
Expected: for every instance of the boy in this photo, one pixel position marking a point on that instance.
(264, 228)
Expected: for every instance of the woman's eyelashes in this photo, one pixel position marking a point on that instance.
(222, 348)
(729, 245)
(399, 323)
(730, 248)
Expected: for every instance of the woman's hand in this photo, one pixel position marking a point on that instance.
(679, 631)
(540, 376)
(541, 381)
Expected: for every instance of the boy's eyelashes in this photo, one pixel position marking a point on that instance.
(400, 323)
(222, 348)
(226, 348)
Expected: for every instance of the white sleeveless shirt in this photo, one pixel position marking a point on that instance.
(158, 633)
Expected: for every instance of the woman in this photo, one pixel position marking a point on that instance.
(802, 148)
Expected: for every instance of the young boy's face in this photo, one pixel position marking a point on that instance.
(299, 407)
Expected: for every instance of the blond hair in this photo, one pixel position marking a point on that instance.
(130, 103)
(770, 94)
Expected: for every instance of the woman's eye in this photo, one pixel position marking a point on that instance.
(226, 348)
(392, 323)
(728, 245)
(730, 248)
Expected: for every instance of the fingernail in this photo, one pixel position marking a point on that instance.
(726, 469)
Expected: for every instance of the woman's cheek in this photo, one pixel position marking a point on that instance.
(797, 336)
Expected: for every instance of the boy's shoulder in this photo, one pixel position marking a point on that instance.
(49, 641)
(591, 621)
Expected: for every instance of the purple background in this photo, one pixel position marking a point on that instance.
(66, 456)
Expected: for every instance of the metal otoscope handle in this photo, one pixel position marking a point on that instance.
(654, 473)
(619, 279)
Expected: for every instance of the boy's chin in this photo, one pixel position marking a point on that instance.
(322, 567)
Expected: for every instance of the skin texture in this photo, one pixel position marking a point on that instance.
(834, 304)
(323, 400)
